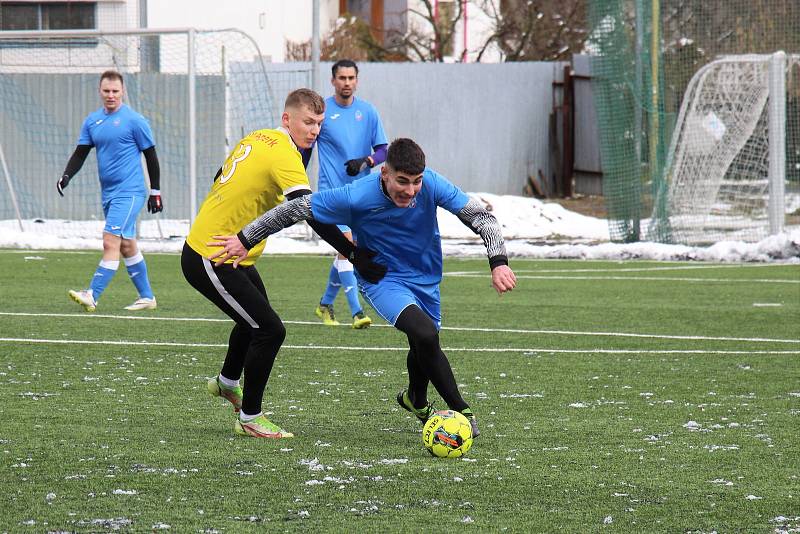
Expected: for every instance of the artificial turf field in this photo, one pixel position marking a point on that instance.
(612, 396)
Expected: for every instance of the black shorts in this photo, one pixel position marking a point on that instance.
(239, 292)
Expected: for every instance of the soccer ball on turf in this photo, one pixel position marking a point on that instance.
(447, 434)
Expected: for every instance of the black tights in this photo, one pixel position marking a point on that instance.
(258, 333)
(426, 361)
(253, 350)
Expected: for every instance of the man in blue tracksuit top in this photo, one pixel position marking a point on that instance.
(394, 214)
(351, 142)
(120, 136)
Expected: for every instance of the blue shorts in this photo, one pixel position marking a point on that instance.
(390, 297)
(121, 213)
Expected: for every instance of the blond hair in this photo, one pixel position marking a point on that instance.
(305, 97)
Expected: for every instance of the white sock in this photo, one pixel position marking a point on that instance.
(245, 418)
(110, 264)
(133, 260)
(228, 382)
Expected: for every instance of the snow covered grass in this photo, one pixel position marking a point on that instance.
(619, 396)
(532, 229)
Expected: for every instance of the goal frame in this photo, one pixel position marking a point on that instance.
(776, 64)
(32, 36)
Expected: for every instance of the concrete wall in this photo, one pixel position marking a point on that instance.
(483, 126)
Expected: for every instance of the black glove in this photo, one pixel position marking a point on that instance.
(62, 183)
(154, 204)
(354, 166)
(361, 258)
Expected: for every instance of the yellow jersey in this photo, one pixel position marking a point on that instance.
(262, 168)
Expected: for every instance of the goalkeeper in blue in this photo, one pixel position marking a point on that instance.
(394, 214)
(120, 136)
(352, 141)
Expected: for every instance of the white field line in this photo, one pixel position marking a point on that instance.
(453, 328)
(465, 274)
(642, 269)
(33, 252)
(402, 349)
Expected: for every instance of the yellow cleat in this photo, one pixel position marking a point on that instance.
(233, 395)
(361, 321)
(260, 427)
(325, 312)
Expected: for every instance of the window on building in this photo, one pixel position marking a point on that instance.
(395, 21)
(47, 16)
(19, 16)
(359, 8)
(387, 19)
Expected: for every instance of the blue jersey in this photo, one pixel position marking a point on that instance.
(406, 239)
(119, 139)
(347, 133)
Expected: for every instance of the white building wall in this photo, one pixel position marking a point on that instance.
(269, 22)
(272, 22)
(117, 15)
(479, 29)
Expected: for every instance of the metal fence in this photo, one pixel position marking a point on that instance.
(484, 126)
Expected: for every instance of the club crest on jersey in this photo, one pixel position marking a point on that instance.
(116, 122)
(359, 115)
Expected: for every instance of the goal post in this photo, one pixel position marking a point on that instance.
(12, 194)
(777, 141)
(200, 90)
(700, 131)
(726, 164)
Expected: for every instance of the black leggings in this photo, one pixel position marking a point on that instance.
(426, 362)
(258, 334)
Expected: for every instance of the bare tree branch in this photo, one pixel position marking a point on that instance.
(520, 30)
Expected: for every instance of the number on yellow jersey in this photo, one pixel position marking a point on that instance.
(241, 152)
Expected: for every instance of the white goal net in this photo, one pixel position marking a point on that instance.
(201, 91)
(726, 169)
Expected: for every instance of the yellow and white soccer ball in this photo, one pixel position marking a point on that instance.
(447, 434)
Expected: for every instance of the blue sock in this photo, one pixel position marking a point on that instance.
(102, 277)
(350, 286)
(333, 286)
(137, 270)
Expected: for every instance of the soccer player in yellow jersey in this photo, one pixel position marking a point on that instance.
(263, 169)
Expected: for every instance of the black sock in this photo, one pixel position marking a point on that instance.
(428, 355)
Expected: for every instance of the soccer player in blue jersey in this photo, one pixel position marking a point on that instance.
(394, 214)
(120, 136)
(351, 142)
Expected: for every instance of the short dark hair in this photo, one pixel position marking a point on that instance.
(305, 97)
(406, 156)
(112, 75)
(344, 63)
